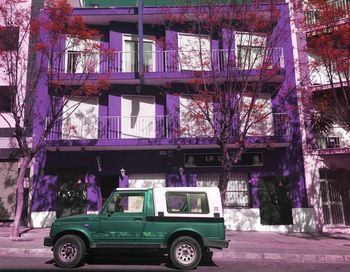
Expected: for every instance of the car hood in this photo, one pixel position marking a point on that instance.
(76, 218)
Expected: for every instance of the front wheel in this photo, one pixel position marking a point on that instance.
(69, 251)
(185, 253)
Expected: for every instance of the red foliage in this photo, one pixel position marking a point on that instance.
(59, 22)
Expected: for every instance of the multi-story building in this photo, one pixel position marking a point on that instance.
(14, 41)
(133, 136)
(326, 85)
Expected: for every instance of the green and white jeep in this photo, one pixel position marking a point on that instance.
(184, 221)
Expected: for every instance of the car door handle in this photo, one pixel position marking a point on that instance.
(138, 218)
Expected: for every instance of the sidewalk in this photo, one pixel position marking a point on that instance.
(288, 247)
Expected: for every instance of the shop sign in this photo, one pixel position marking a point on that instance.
(214, 159)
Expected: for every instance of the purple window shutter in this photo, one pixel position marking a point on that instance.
(123, 182)
(94, 198)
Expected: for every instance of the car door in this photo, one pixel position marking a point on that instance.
(123, 218)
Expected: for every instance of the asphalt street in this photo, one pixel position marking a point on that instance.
(140, 264)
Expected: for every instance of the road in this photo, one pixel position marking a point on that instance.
(20, 263)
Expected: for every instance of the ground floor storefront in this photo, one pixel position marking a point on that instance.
(266, 189)
(328, 186)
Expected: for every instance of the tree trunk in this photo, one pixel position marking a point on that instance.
(20, 196)
(225, 172)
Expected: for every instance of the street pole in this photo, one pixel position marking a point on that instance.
(140, 44)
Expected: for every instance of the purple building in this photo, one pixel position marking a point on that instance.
(139, 134)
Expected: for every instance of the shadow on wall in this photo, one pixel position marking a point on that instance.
(249, 220)
(4, 214)
(242, 219)
(8, 190)
(42, 219)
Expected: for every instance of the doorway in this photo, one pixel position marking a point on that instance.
(275, 205)
(335, 195)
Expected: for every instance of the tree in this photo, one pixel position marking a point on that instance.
(48, 33)
(328, 48)
(226, 99)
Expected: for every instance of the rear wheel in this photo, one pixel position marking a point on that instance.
(185, 252)
(69, 251)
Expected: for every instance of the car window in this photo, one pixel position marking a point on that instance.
(126, 203)
(186, 202)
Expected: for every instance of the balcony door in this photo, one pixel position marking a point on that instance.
(250, 50)
(193, 116)
(80, 118)
(194, 52)
(82, 56)
(130, 54)
(260, 120)
(138, 116)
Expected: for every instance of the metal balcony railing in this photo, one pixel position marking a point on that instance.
(312, 14)
(338, 137)
(138, 127)
(164, 61)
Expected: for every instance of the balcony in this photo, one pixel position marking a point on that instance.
(166, 61)
(325, 75)
(336, 141)
(312, 15)
(142, 127)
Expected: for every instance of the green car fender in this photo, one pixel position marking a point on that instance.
(77, 230)
(183, 231)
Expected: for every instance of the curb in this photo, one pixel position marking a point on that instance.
(304, 258)
(217, 255)
(35, 252)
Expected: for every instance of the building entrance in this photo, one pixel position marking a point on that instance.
(275, 204)
(335, 195)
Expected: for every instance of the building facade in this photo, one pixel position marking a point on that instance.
(14, 44)
(326, 153)
(138, 134)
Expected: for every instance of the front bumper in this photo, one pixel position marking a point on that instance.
(48, 241)
(216, 243)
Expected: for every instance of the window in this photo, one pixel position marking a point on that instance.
(130, 54)
(9, 38)
(250, 50)
(186, 202)
(238, 191)
(194, 112)
(82, 56)
(126, 203)
(5, 99)
(194, 52)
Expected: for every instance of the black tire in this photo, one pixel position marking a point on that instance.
(69, 251)
(185, 253)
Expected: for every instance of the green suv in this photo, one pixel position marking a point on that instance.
(184, 221)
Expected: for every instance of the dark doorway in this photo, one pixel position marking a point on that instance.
(275, 205)
(107, 185)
